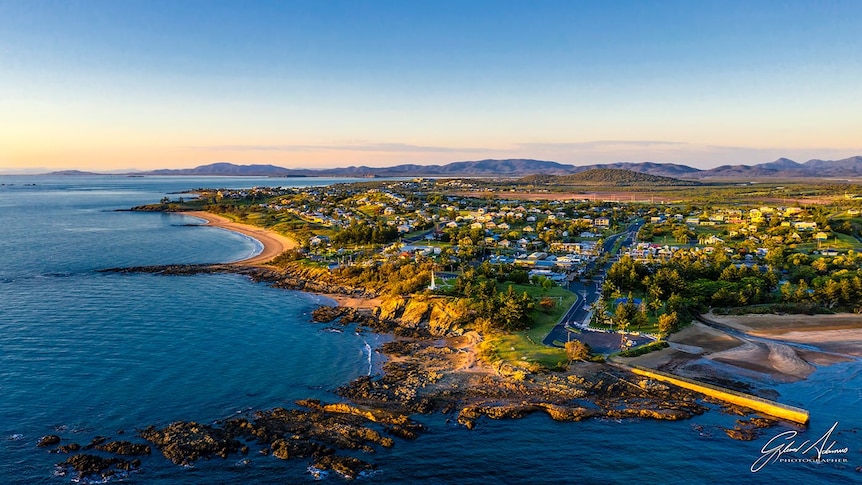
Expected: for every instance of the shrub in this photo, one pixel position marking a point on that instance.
(645, 349)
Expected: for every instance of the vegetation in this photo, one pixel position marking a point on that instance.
(577, 350)
(788, 246)
(645, 349)
(606, 177)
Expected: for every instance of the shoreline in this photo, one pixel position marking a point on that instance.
(756, 349)
(273, 243)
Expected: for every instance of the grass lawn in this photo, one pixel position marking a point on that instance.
(650, 327)
(838, 241)
(526, 346)
(667, 240)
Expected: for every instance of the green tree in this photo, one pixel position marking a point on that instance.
(577, 350)
(668, 322)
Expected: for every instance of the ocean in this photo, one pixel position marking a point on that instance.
(85, 353)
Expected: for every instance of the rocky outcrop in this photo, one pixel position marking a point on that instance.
(291, 277)
(92, 466)
(438, 316)
(346, 466)
(749, 429)
(124, 448)
(345, 315)
(185, 442)
(68, 448)
(48, 440)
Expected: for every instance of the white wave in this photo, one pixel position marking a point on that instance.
(370, 365)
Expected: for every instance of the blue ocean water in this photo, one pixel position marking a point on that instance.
(84, 353)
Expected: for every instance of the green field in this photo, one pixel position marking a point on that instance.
(526, 347)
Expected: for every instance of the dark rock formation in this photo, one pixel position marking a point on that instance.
(68, 448)
(89, 466)
(48, 440)
(185, 442)
(345, 315)
(749, 429)
(346, 466)
(124, 448)
(98, 440)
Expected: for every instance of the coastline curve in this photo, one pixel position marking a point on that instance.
(272, 242)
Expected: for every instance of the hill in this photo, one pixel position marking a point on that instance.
(229, 169)
(606, 176)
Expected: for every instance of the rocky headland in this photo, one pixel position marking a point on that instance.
(431, 368)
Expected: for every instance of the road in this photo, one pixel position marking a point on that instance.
(588, 292)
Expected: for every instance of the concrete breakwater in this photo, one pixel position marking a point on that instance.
(772, 408)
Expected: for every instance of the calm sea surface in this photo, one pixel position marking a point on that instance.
(84, 353)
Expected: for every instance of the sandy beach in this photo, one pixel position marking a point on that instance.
(273, 243)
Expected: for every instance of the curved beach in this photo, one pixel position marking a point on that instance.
(273, 243)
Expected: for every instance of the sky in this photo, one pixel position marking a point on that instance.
(113, 85)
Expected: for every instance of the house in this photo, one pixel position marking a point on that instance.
(805, 225)
(318, 240)
(602, 222)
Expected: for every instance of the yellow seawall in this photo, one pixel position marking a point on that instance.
(772, 408)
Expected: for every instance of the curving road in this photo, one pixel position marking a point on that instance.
(588, 292)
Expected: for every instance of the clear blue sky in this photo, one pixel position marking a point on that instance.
(123, 84)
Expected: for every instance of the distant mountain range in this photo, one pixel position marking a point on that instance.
(781, 168)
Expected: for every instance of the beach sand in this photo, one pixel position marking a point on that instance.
(354, 302)
(273, 245)
(273, 242)
(840, 333)
(706, 353)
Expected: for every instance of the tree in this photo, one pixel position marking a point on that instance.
(577, 350)
(681, 234)
(668, 322)
(625, 314)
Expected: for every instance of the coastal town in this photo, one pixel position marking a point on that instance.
(497, 299)
(611, 261)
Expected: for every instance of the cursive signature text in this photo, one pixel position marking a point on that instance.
(786, 444)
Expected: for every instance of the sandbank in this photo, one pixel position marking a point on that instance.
(706, 353)
(273, 242)
(840, 333)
